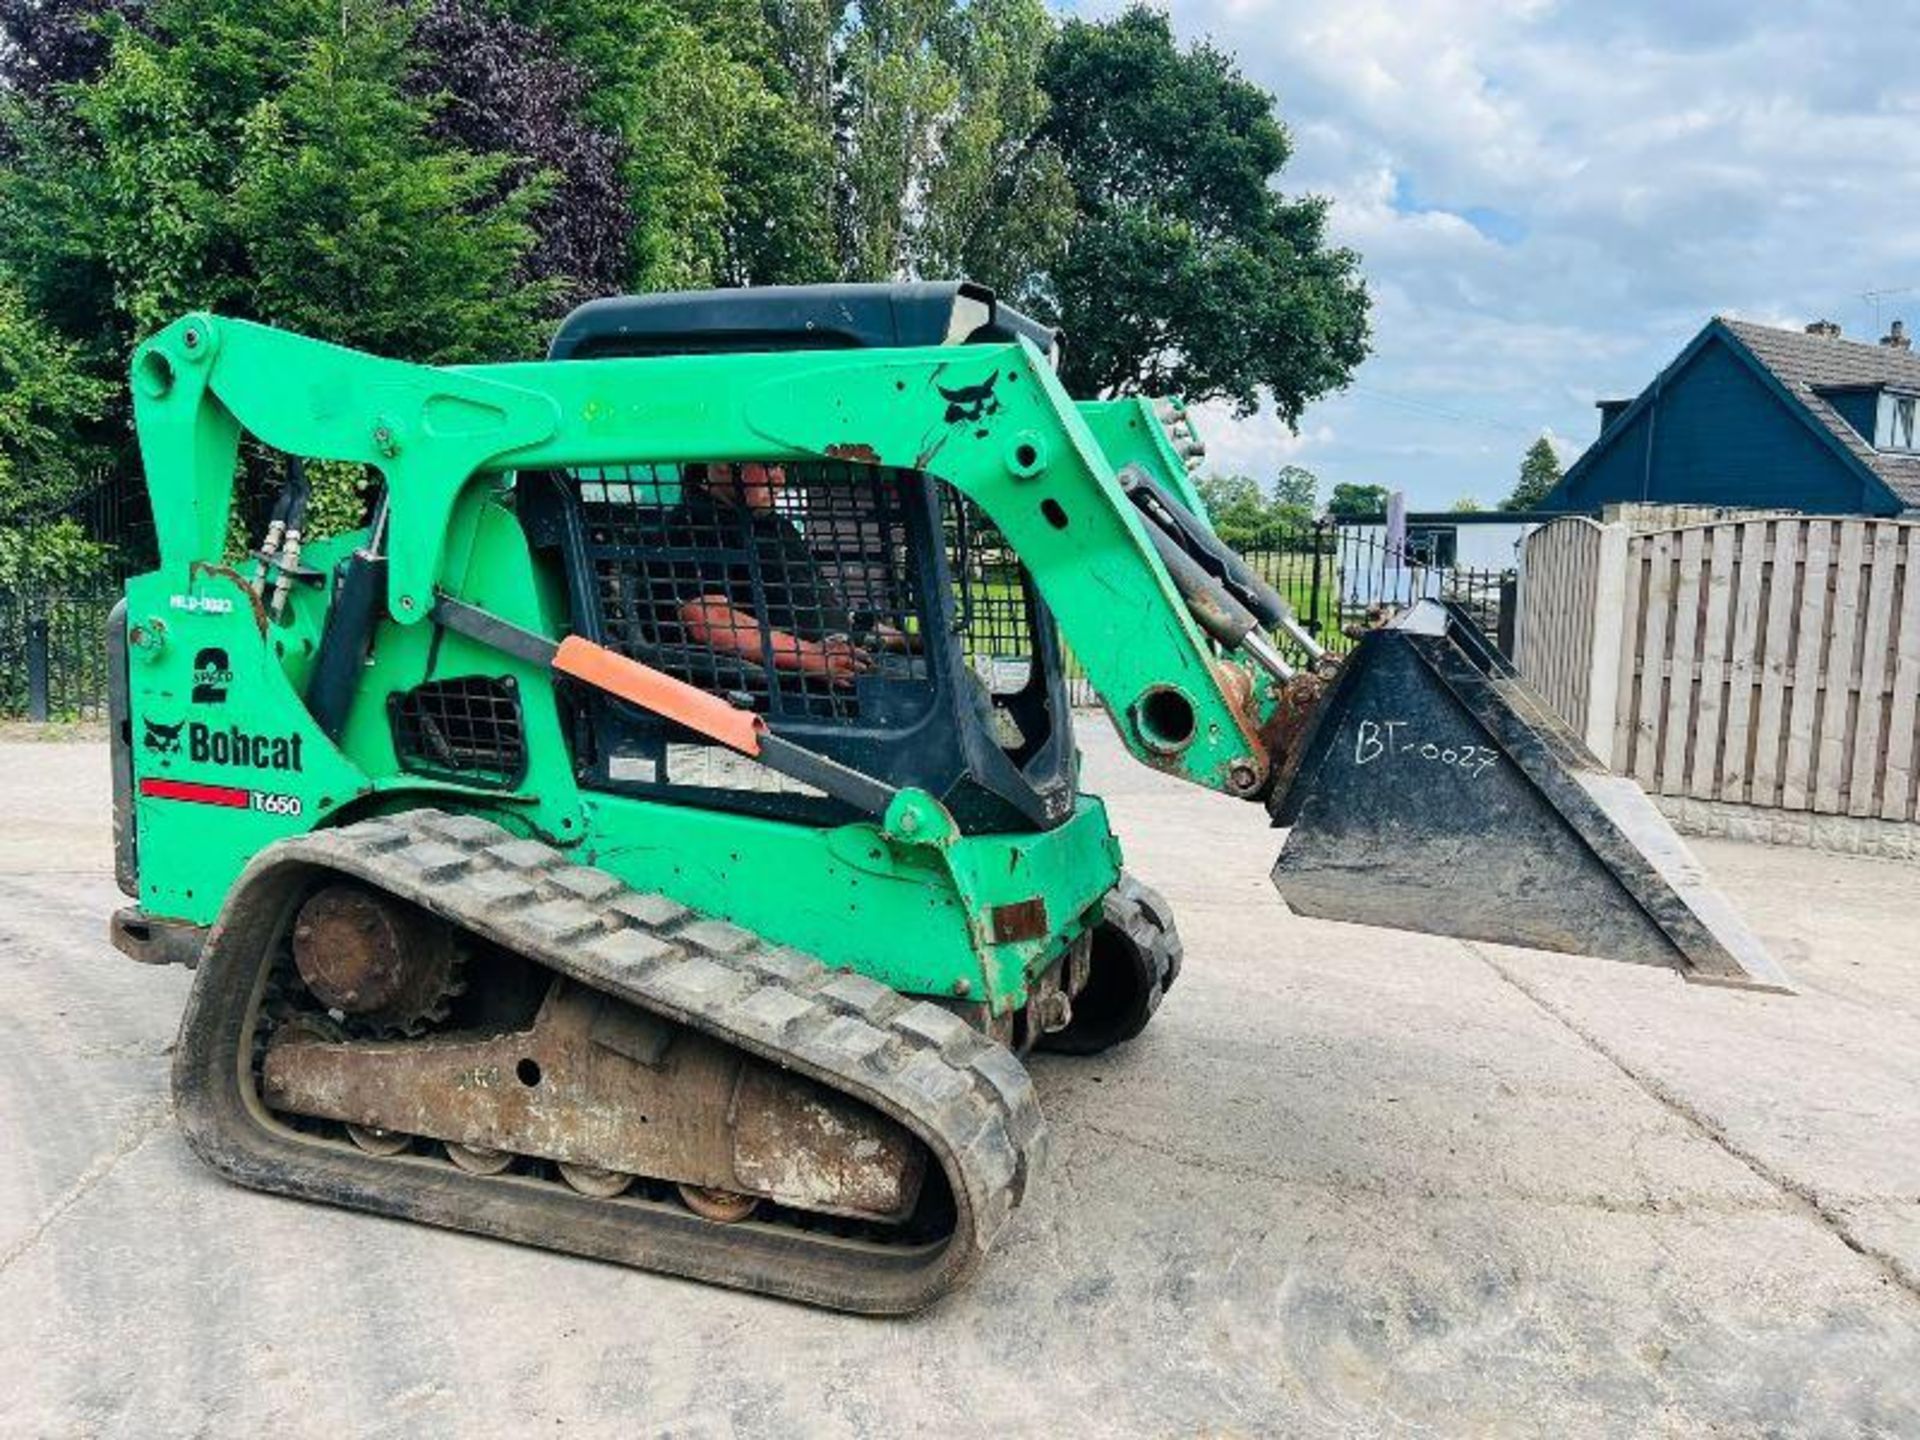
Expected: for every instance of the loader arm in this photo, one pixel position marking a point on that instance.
(1136, 431)
(991, 421)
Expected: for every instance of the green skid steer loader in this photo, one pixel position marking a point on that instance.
(656, 833)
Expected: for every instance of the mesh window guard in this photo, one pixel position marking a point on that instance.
(468, 728)
(871, 614)
(791, 587)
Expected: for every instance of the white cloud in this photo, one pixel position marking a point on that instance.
(1260, 444)
(1550, 198)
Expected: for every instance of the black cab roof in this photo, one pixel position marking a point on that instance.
(796, 317)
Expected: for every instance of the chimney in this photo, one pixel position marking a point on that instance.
(1896, 337)
(1825, 329)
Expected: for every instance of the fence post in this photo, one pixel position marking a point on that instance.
(1609, 634)
(37, 706)
(1313, 592)
(1509, 612)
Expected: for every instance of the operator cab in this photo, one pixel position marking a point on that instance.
(872, 614)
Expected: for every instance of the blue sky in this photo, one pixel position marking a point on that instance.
(1550, 199)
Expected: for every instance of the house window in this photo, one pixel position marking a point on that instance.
(1896, 426)
(1434, 546)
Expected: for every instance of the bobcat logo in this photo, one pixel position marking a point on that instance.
(971, 403)
(164, 739)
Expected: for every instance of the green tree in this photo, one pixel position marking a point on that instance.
(1186, 271)
(46, 400)
(270, 161)
(1294, 498)
(1242, 513)
(1296, 488)
(431, 178)
(728, 169)
(358, 229)
(266, 161)
(55, 556)
(502, 87)
(1539, 473)
(933, 109)
(1221, 491)
(998, 202)
(1357, 501)
(1467, 505)
(1234, 504)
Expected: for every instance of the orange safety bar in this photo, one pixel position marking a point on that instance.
(653, 690)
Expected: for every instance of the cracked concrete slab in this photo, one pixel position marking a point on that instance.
(1348, 1182)
(1820, 1090)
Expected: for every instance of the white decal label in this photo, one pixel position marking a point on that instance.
(1390, 740)
(202, 604)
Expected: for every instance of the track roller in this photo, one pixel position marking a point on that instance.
(592, 1180)
(478, 1159)
(375, 1141)
(724, 1207)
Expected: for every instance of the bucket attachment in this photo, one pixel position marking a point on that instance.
(1435, 790)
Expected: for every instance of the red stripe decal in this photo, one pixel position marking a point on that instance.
(227, 795)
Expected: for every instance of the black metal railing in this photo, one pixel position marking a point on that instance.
(1343, 578)
(1361, 578)
(53, 655)
(110, 513)
(55, 597)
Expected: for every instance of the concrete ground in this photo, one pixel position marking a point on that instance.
(1350, 1182)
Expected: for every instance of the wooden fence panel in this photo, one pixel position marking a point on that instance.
(1554, 636)
(1710, 706)
(1627, 664)
(1839, 671)
(1748, 585)
(1682, 663)
(1876, 663)
(1897, 798)
(1809, 641)
(1784, 587)
(1656, 621)
(1766, 660)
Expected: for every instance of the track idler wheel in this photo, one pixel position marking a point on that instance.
(388, 965)
(1135, 959)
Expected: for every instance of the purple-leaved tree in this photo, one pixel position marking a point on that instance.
(506, 89)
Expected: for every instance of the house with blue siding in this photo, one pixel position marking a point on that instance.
(1751, 415)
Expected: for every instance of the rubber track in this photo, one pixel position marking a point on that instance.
(966, 1097)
